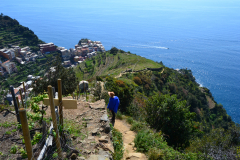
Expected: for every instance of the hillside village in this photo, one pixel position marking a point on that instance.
(24, 55)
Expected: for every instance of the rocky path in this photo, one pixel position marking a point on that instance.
(94, 141)
(128, 141)
(120, 75)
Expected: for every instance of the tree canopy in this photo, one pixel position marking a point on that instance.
(172, 117)
(113, 50)
(122, 90)
(83, 40)
(67, 75)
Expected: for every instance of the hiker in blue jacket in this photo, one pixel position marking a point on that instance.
(113, 105)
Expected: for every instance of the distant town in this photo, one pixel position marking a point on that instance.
(25, 55)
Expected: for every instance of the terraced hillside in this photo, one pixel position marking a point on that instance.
(11, 32)
(109, 64)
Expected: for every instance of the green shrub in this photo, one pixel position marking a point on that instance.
(113, 50)
(99, 78)
(172, 117)
(36, 138)
(40, 97)
(14, 149)
(55, 155)
(119, 115)
(156, 147)
(6, 124)
(137, 80)
(120, 83)
(146, 139)
(23, 153)
(118, 144)
(130, 120)
(155, 154)
(122, 90)
(137, 126)
(217, 144)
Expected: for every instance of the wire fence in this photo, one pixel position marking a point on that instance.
(50, 135)
(47, 142)
(44, 144)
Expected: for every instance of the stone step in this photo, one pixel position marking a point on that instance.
(98, 157)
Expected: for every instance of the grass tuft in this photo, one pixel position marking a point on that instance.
(130, 120)
(119, 115)
(118, 144)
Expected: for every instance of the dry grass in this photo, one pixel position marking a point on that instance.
(211, 103)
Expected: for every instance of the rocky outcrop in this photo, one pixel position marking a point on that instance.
(83, 85)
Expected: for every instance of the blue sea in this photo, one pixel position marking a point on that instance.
(201, 35)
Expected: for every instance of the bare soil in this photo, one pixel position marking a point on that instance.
(8, 131)
(128, 141)
(91, 140)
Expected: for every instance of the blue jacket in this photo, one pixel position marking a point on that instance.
(113, 103)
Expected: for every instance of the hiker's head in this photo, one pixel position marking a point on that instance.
(111, 94)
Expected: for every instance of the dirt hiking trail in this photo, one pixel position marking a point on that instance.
(128, 141)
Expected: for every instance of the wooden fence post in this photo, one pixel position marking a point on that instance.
(54, 119)
(18, 102)
(15, 104)
(60, 101)
(21, 98)
(24, 89)
(83, 88)
(53, 88)
(26, 133)
(78, 93)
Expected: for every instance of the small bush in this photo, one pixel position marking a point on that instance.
(99, 78)
(113, 50)
(146, 139)
(36, 138)
(155, 154)
(137, 80)
(130, 120)
(23, 153)
(136, 126)
(6, 124)
(55, 155)
(14, 149)
(118, 144)
(120, 83)
(119, 115)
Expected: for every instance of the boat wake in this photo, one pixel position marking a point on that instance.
(146, 46)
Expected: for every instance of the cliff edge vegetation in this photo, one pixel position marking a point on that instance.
(169, 103)
(11, 32)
